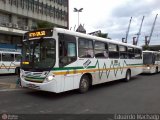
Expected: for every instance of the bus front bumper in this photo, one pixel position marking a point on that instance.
(148, 70)
(47, 86)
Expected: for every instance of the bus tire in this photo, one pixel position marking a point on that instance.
(17, 70)
(128, 76)
(84, 84)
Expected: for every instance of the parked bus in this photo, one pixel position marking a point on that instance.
(9, 61)
(151, 61)
(59, 60)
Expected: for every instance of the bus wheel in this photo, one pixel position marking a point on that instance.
(128, 75)
(17, 70)
(84, 84)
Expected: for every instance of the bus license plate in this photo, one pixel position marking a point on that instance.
(33, 86)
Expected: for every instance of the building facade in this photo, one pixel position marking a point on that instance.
(19, 16)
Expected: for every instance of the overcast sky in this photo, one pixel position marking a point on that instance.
(112, 17)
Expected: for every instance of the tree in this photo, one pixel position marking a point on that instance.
(103, 35)
(44, 24)
(145, 47)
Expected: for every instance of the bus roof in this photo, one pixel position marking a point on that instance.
(151, 51)
(65, 31)
(13, 52)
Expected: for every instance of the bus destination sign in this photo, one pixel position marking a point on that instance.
(40, 33)
(37, 34)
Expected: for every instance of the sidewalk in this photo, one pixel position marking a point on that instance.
(8, 81)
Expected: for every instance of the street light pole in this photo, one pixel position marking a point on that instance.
(78, 10)
(78, 19)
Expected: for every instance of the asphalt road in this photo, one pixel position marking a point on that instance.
(140, 95)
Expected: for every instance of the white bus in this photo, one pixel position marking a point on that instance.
(59, 60)
(9, 61)
(151, 61)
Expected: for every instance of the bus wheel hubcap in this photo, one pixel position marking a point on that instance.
(84, 84)
(128, 76)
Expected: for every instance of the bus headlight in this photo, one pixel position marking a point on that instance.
(148, 68)
(50, 78)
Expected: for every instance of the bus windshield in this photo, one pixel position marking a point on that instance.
(148, 58)
(38, 54)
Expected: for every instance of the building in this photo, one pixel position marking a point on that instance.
(19, 16)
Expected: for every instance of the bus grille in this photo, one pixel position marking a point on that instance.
(37, 77)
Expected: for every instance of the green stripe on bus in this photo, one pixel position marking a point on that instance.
(34, 78)
(89, 67)
(70, 68)
(134, 64)
(77, 68)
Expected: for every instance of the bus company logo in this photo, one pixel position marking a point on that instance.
(4, 116)
(87, 63)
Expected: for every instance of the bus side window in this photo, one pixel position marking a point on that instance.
(158, 56)
(131, 54)
(17, 57)
(113, 51)
(7, 57)
(123, 52)
(60, 48)
(85, 48)
(67, 49)
(71, 48)
(101, 50)
(0, 57)
(138, 53)
(153, 58)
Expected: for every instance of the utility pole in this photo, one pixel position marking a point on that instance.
(78, 10)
